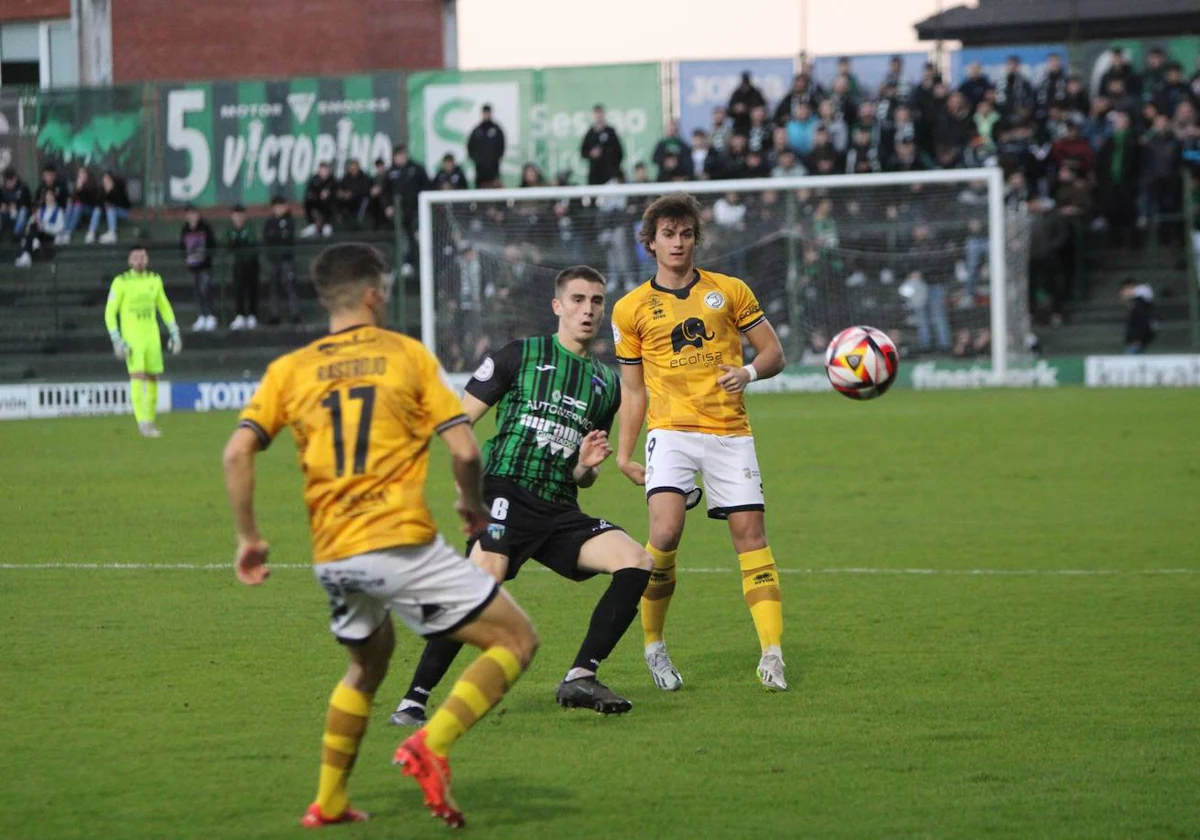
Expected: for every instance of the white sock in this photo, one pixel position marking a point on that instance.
(773, 649)
(656, 647)
(578, 674)
(407, 704)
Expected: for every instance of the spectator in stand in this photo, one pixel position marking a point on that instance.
(788, 166)
(976, 85)
(744, 99)
(485, 148)
(319, 202)
(925, 104)
(722, 130)
(51, 182)
(1073, 150)
(900, 130)
(15, 203)
(1195, 81)
(1097, 127)
(1139, 324)
(1154, 77)
(408, 179)
(1015, 92)
(732, 164)
(243, 244)
(1174, 91)
(86, 198)
(1120, 98)
(800, 130)
(931, 266)
(115, 205)
(1076, 99)
(531, 176)
(779, 142)
(843, 101)
(1072, 194)
(352, 195)
(822, 150)
(279, 235)
(729, 216)
(1117, 171)
(699, 154)
(907, 159)
(671, 169)
(802, 91)
(758, 136)
(1119, 68)
(197, 242)
(834, 123)
(672, 144)
(863, 155)
(844, 71)
(43, 229)
(380, 203)
(1053, 88)
(985, 120)
(1162, 173)
(450, 175)
(894, 80)
(954, 127)
(602, 149)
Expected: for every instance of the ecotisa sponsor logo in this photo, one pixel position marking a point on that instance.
(929, 376)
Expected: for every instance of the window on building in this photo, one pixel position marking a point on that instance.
(39, 54)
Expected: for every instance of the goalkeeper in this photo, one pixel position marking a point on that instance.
(134, 298)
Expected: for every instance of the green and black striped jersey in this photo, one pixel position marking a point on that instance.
(546, 399)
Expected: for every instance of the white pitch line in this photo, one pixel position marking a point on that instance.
(226, 567)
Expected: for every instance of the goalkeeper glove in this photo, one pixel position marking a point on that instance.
(175, 342)
(120, 348)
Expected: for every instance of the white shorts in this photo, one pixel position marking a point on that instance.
(431, 588)
(727, 463)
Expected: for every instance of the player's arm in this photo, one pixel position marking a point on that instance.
(492, 380)
(768, 359)
(116, 292)
(259, 422)
(594, 449)
(631, 416)
(175, 343)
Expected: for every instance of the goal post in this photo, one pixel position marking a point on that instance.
(934, 257)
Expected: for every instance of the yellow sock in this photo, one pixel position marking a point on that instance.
(137, 399)
(345, 725)
(657, 597)
(151, 405)
(760, 585)
(481, 687)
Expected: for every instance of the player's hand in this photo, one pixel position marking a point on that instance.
(120, 348)
(634, 471)
(175, 342)
(475, 517)
(251, 563)
(594, 449)
(733, 379)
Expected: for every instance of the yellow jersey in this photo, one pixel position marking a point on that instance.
(679, 336)
(362, 404)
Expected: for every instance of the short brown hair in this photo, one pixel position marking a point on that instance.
(676, 207)
(342, 272)
(578, 272)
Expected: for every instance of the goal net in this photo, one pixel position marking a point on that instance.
(931, 258)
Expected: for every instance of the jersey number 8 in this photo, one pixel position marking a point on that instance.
(333, 402)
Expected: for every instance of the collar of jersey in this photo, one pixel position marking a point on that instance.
(351, 328)
(559, 345)
(679, 293)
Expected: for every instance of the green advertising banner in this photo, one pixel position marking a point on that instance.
(229, 142)
(101, 128)
(544, 114)
(941, 376)
(1091, 59)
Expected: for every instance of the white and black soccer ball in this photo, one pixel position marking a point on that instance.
(862, 363)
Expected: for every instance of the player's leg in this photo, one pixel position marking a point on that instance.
(671, 465)
(154, 369)
(135, 363)
(439, 653)
(615, 553)
(735, 493)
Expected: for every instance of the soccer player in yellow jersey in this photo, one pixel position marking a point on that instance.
(137, 299)
(679, 336)
(362, 404)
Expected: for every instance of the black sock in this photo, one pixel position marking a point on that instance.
(613, 614)
(436, 660)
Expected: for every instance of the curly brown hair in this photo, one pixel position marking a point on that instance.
(676, 207)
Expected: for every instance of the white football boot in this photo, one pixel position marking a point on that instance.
(666, 677)
(770, 670)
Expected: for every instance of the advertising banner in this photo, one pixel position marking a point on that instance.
(78, 399)
(1033, 61)
(870, 69)
(229, 142)
(940, 376)
(704, 85)
(14, 402)
(544, 114)
(103, 128)
(1168, 371)
(212, 396)
(9, 127)
(1092, 59)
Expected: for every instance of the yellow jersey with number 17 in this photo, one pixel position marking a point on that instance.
(679, 337)
(363, 405)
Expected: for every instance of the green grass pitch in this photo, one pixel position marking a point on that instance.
(1040, 679)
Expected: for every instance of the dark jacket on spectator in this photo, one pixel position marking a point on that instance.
(354, 188)
(1139, 326)
(744, 99)
(975, 89)
(607, 165)
(485, 148)
(675, 146)
(1016, 93)
(954, 130)
(811, 96)
(197, 244)
(18, 194)
(1053, 89)
(408, 182)
(1118, 163)
(318, 185)
(1133, 85)
(1170, 97)
(455, 179)
(244, 246)
(118, 196)
(279, 235)
(59, 188)
(1161, 157)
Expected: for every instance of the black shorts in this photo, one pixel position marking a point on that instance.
(525, 527)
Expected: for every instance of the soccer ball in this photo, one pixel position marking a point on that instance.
(862, 362)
